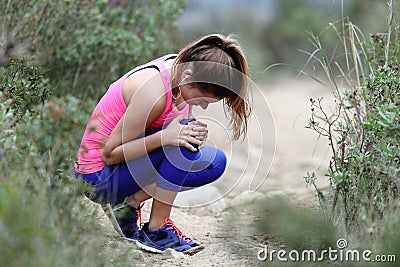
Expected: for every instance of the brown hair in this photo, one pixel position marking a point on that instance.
(226, 79)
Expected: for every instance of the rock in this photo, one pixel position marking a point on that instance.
(123, 251)
(169, 253)
(136, 255)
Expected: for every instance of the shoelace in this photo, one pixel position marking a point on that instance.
(168, 222)
(139, 213)
(133, 224)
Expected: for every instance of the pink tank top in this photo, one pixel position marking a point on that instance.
(109, 111)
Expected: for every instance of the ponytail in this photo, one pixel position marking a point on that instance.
(231, 72)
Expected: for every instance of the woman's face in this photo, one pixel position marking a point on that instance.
(193, 95)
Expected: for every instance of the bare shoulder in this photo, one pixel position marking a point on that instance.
(142, 80)
(144, 91)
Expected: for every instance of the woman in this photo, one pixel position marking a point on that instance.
(137, 146)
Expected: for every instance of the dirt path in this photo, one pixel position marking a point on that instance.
(221, 216)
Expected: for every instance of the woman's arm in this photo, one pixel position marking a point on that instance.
(132, 149)
(147, 102)
(175, 134)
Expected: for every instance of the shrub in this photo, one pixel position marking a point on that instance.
(39, 197)
(23, 85)
(363, 129)
(40, 226)
(84, 45)
(43, 221)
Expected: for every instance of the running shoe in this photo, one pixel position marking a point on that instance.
(168, 236)
(125, 219)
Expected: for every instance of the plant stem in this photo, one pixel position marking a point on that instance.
(390, 21)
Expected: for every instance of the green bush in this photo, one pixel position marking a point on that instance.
(365, 167)
(85, 45)
(23, 85)
(81, 46)
(43, 220)
(41, 226)
(39, 197)
(362, 130)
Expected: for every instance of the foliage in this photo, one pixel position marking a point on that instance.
(81, 46)
(85, 45)
(390, 237)
(38, 195)
(299, 227)
(43, 222)
(57, 125)
(30, 236)
(24, 85)
(40, 223)
(363, 128)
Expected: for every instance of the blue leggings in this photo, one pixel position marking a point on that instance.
(170, 167)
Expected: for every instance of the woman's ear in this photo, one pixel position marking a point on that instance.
(185, 76)
(187, 73)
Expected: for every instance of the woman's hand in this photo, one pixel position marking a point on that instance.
(200, 132)
(176, 134)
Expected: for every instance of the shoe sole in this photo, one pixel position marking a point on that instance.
(189, 252)
(110, 214)
(148, 248)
